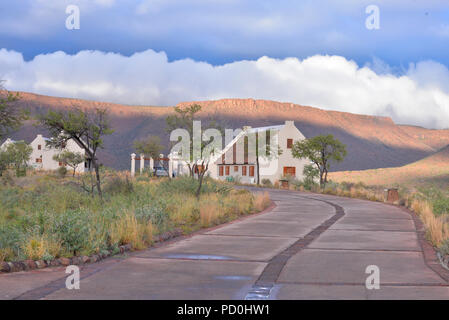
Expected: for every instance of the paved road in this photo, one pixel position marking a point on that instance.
(308, 247)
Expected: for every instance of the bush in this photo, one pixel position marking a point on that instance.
(72, 228)
(267, 183)
(61, 172)
(154, 213)
(118, 185)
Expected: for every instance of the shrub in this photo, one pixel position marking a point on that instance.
(267, 183)
(72, 229)
(118, 185)
(61, 172)
(154, 213)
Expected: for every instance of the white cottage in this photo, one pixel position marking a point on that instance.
(42, 156)
(234, 161)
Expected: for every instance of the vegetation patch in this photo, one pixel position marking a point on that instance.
(49, 216)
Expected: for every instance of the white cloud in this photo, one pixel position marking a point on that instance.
(418, 96)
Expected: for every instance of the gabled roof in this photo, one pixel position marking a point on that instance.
(261, 129)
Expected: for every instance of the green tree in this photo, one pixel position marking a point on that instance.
(18, 154)
(321, 150)
(152, 147)
(69, 158)
(4, 161)
(184, 118)
(11, 116)
(87, 129)
(310, 174)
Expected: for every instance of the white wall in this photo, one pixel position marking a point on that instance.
(46, 154)
(269, 168)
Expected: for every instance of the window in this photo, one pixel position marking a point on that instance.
(39, 147)
(63, 145)
(38, 160)
(290, 171)
(227, 170)
(199, 169)
(220, 169)
(236, 168)
(251, 171)
(61, 164)
(289, 143)
(244, 171)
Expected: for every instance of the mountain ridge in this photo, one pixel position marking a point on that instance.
(372, 141)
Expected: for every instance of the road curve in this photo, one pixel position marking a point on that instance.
(308, 246)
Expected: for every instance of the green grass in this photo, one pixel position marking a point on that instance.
(45, 217)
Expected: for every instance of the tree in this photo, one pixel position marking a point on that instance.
(69, 158)
(321, 150)
(85, 128)
(310, 174)
(4, 162)
(183, 119)
(11, 116)
(152, 147)
(18, 154)
(198, 161)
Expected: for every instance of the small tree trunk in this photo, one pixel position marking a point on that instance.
(97, 176)
(200, 180)
(321, 178)
(257, 170)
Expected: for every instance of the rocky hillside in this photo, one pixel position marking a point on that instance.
(372, 142)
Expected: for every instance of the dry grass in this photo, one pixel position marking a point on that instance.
(430, 171)
(127, 230)
(437, 229)
(261, 201)
(55, 208)
(210, 214)
(38, 247)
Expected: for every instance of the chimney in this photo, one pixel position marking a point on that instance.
(246, 128)
(289, 123)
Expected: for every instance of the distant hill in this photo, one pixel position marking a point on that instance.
(430, 171)
(372, 141)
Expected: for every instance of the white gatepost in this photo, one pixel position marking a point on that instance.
(142, 163)
(151, 165)
(170, 168)
(133, 164)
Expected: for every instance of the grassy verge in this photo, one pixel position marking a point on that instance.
(46, 217)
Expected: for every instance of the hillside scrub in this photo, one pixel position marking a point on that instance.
(47, 216)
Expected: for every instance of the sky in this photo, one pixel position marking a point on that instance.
(161, 52)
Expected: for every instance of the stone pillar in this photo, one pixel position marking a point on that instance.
(133, 164)
(170, 167)
(142, 163)
(151, 165)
